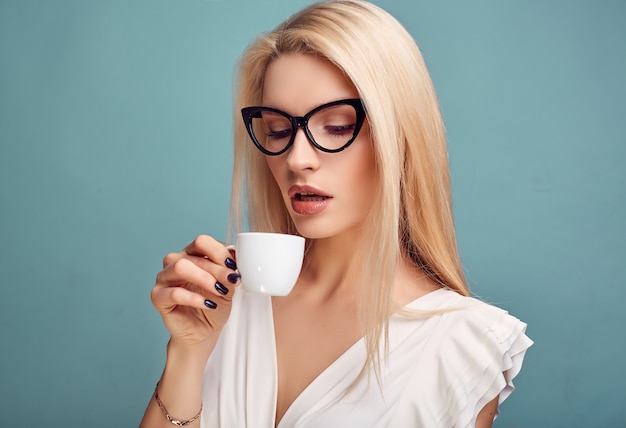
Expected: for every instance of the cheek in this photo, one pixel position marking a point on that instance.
(368, 162)
(274, 168)
(280, 173)
(364, 178)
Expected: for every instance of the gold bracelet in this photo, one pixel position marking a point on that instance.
(173, 421)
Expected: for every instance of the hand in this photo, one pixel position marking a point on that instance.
(193, 292)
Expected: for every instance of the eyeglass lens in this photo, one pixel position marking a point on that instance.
(331, 127)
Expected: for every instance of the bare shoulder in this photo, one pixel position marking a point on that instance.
(411, 283)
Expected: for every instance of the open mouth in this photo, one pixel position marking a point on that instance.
(309, 197)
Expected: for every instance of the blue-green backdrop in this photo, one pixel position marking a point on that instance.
(115, 133)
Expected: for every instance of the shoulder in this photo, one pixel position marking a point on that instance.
(473, 353)
(468, 319)
(479, 337)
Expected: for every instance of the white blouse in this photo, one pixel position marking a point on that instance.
(439, 372)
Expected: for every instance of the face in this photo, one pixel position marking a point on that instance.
(327, 194)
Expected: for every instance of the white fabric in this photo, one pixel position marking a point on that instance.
(440, 371)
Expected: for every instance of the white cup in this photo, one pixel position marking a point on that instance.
(269, 263)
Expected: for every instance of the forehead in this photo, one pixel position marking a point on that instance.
(297, 83)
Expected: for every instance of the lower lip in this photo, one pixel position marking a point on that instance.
(309, 207)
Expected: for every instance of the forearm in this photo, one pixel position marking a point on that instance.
(180, 386)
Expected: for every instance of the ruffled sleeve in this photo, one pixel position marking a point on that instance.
(476, 352)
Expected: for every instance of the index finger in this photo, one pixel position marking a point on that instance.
(209, 247)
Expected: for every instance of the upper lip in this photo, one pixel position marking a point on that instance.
(303, 188)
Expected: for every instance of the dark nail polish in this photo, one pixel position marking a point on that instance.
(221, 289)
(234, 277)
(230, 264)
(210, 304)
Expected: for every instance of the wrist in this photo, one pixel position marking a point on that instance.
(184, 365)
(172, 420)
(179, 392)
(195, 354)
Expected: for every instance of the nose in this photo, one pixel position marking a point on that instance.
(302, 155)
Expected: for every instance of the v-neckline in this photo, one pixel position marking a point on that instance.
(324, 373)
(306, 390)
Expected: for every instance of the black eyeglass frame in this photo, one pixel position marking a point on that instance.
(252, 112)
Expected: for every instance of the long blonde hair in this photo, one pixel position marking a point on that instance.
(413, 211)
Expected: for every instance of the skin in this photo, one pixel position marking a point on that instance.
(297, 84)
(187, 279)
(317, 321)
(486, 415)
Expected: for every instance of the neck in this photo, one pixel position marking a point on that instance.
(326, 265)
(325, 273)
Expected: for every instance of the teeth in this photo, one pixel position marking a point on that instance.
(310, 197)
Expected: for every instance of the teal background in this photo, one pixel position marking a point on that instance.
(115, 132)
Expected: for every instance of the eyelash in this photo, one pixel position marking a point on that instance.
(332, 130)
(340, 131)
(279, 134)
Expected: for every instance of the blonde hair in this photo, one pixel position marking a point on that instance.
(412, 214)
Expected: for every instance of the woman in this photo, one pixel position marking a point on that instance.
(379, 329)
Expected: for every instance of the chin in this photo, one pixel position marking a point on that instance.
(318, 228)
(312, 229)
(313, 232)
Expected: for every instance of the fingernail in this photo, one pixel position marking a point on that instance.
(210, 304)
(234, 277)
(230, 264)
(221, 289)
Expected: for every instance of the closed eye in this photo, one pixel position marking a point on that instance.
(339, 131)
(285, 133)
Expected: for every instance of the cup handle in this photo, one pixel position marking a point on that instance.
(232, 249)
